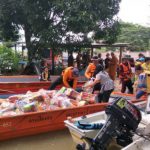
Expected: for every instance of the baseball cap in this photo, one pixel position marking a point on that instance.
(141, 59)
(75, 72)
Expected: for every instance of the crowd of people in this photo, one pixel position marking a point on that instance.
(82, 60)
(132, 74)
(103, 73)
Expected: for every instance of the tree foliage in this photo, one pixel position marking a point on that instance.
(52, 22)
(138, 36)
(8, 59)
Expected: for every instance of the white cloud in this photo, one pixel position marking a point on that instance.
(135, 11)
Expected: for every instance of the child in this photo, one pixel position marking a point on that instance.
(141, 82)
(45, 75)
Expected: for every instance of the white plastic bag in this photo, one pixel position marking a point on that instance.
(88, 89)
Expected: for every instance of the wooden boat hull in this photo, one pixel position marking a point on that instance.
(39, 122)
(22, 84)
(34, 123)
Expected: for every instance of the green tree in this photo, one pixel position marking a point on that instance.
(53, 22)
(138, 36)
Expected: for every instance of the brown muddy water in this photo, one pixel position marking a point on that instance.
(57, 140)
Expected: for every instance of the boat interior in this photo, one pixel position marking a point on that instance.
(141, 140)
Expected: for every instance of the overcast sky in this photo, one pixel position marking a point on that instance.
(135, 11)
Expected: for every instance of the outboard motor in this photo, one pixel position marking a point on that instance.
(123, 119)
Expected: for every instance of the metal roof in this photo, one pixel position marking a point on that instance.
(97, 45)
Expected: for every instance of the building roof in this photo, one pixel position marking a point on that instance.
(97, 45)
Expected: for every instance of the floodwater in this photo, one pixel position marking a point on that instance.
(57, 140)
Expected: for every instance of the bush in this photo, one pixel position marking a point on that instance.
(8, 60)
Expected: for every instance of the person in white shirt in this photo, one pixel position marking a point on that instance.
(107, 85)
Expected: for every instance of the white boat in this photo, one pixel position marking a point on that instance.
(78, 135)
(139, 143)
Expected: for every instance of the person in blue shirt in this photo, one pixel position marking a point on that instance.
(141, 82)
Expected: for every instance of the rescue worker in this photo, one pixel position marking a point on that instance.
(146, 65)
(125, 75)
(141, 55)
(91, 68)
(140, 61)
(68, 77)
(96, 66)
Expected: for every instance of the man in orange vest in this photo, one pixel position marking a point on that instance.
(68, 77)
(91, 67)
(125, 75)
(94, 68)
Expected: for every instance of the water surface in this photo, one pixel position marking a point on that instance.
(58, 140)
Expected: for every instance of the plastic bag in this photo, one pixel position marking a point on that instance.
(9, 113)
(61, 91)
(72, 93)
(88, 89)
(66, 103)
(14, 98)
(90, 98)
(31, 107)
(7, 107)
(20, 105)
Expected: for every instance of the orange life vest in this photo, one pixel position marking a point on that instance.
(91, 68)
(67, 77)
(67, 69)
(126, 74)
